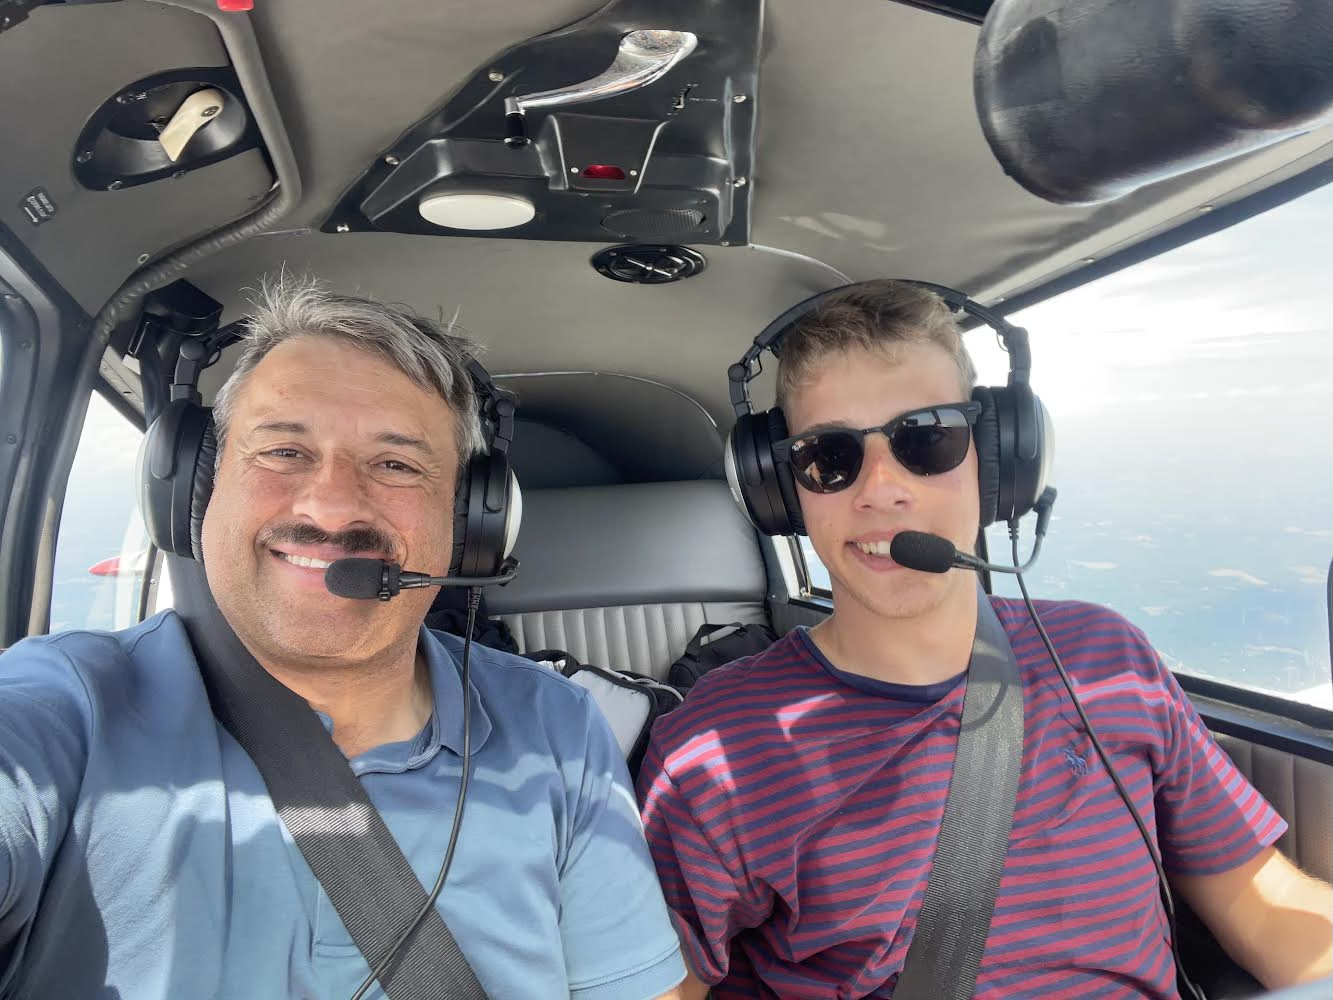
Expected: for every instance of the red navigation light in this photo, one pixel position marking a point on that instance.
(603, 172)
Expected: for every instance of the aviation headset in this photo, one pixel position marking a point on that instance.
(1013, 435)
(178, 454)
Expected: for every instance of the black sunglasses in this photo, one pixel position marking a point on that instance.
(926, 442)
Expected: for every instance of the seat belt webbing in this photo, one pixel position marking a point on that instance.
(945, 953)
(328, 813)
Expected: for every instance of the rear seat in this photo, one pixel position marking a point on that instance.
(622, 576)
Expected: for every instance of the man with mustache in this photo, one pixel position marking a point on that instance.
(140, 853)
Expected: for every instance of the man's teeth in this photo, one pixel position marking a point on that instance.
(305, 561)
(880, 548)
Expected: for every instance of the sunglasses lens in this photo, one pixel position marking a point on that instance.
(828, 461)
(933, 441)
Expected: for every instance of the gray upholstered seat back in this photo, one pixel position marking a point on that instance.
(621, 576)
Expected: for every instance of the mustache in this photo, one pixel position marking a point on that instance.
(367, 539)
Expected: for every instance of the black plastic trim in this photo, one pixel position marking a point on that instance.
(812, 603)
(54, 400)
(971, 11)
(20, 348)
(15, 249)
(1195, 229)
(100, 154)
(1236, 706)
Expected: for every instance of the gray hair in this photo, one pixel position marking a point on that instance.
(433, 357)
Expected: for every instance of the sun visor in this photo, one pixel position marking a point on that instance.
(1083, 101)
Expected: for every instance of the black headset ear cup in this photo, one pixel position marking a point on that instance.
(1034, 449)
(1014, 451)
(750, 471)
(487, 508)
(462, 501)
(782, 475)
(171, 498)
(201, 491)
(986, 435)
(743, 472)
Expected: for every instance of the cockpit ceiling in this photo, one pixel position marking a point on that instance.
(869, 161)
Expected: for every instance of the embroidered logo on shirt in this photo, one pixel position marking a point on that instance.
(1076, 761)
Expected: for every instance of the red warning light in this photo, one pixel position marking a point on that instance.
(603, 172)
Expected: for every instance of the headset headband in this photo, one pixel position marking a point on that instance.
(496, 406)
(740, 374)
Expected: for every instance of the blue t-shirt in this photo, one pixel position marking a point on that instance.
(141, 857)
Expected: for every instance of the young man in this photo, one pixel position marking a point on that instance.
(792, 803)
(140, 853)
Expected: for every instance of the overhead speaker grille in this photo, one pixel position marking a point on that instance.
(649, 263)
(641, 222)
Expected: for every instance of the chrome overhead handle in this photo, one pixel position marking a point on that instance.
(644, 56)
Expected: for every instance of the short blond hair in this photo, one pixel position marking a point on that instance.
(876, 316)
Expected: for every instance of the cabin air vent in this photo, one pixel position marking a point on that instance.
(649, 263)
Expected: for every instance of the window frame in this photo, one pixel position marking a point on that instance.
(44, 390)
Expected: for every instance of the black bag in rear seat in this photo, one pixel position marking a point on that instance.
(714, 646)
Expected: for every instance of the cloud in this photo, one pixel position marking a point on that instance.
(1093, 565)
(1238, 574)
(1308, 574)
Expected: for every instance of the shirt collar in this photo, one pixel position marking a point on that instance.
(445, 726)
(446, 681)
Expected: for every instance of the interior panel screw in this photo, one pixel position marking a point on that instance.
(495, 76)
(391, 160)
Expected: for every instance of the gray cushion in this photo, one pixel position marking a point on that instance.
(632, 544)
(644, 638)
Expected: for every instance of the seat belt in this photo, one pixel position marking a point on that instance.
(951, 930)
(339, 831)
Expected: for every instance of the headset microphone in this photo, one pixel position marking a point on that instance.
(929, 553)
(365, 579)
(933, 554)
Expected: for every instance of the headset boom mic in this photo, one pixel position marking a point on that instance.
(921, 551)
(362, 579)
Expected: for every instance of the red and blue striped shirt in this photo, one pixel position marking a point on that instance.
(792, 812)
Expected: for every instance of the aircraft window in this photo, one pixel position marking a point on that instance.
(102, 548)
(1189, 396)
